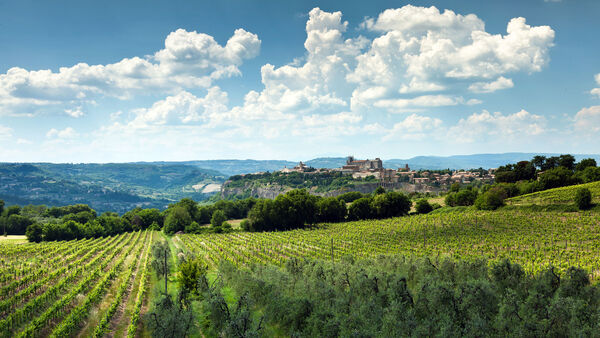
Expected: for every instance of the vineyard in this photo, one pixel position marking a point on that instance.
(100, 287)
(562, 195)
(534, 240)
(50, 289)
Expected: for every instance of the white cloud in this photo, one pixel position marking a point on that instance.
(423, 50)
(5, 132)
(485, 127)
(402, 105)
(587, 120)
(183, 109)
(67, 133)
(596, 91)
(415, 127)
(76, 112)
(189, 59)
(488, 87)
(23, 141)
(316, 85)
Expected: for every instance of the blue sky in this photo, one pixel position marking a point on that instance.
(88, 81)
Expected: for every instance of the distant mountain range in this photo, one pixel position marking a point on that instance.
(236, 167)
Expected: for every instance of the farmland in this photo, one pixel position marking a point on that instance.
(95, 287)
(534, 240)
(50, 289)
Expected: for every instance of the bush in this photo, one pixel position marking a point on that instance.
(583, 198)
(218, 218)
(391, 204)
(462, 198)
(193, 228)
(423, 206)
(350, 197)
(491, 199)
(177, 219)
(360, 209)
(34, 233)
(245, 225)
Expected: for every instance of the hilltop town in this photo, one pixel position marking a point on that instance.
(374, 168)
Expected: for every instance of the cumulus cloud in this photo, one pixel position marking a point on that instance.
(486, 126)
(414, 127)
(401, 105)
(189, 60)
(596, 91)
(67, 133)
(183, 109)
(488, 87)
(425, 50)
(587, 120)
(318, 83)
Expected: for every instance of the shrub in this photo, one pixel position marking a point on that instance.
(350, 196)
(391, 204)
(218, 218)
(177, 219)
(360, 209)
(423, 206)
(193, 228)
(462, 198)
(34, 233)
(583, 198)
(491, 199)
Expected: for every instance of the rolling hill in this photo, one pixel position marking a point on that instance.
(105, 187)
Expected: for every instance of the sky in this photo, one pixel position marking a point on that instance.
(124, 81)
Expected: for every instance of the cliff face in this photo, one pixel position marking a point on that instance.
(272, 191)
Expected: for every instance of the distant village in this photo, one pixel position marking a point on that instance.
(374, 168)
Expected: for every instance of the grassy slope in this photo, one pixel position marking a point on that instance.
(564, 195)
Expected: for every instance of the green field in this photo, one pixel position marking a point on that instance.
(94, 287)
(535, 240)
(558, 196)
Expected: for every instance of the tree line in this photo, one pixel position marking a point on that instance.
(525, 177)
(294, 209)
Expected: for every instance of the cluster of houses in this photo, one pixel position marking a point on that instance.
(374, 168)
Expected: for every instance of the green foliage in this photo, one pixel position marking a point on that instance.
(557, 177)
(161, 260)
(583, 198)
(391, 204)
(191, 277)
(331, 209)
(34, 233)
(350, 196)
(423, 206)
(361, 209)
(585, 163)
(393, 295)
(193, 228)
(380, 190)
(491, 199)
(322, 181)
(294, 209)
(170, 318)
(218, 218)
(464, 197)
(177, 219)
